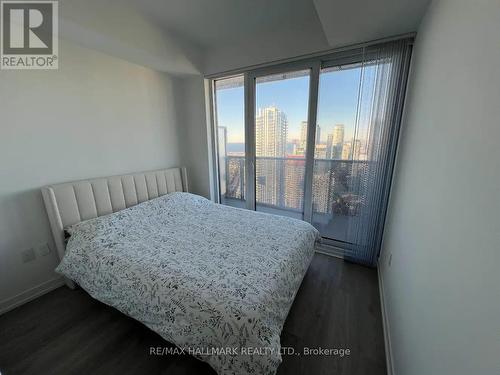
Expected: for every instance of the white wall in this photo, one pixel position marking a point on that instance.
(95, 116)
(194, 146)
(442, 289)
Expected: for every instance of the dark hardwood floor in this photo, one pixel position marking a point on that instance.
(68, 332)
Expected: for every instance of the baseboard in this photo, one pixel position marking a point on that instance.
(329, 250)
(30, 294)
(385, 324)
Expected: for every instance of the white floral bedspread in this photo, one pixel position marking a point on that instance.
(214, 280)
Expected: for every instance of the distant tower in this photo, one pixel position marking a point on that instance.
(335, 142)
(347, 151)
(271, 128)
(329, 146)
(338, 140)
(294, 182)
(356, 150)
(303, 136)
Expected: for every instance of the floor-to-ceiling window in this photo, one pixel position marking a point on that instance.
(229, 116)
(341, 152)
(315, 140)
(281, 108)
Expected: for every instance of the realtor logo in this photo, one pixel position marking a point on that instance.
(29, 35)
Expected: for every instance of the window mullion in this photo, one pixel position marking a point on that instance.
(250, 141)
(311, 141)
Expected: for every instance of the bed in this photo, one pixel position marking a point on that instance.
(216, 281)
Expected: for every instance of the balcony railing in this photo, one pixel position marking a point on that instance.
(280, 183)
(338, 190)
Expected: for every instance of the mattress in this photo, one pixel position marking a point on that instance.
(216, 281)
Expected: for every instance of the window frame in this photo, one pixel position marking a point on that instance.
(314, 62)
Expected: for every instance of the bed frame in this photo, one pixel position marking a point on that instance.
(71, 202)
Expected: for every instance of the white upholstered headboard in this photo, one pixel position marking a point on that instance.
(72, 202)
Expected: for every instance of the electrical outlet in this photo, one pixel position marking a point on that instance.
(28, 255)
(43, 249)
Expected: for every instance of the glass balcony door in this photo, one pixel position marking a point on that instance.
(341, 167)
(229, 117)
(280, 158)
(280, 131)
(308, 173)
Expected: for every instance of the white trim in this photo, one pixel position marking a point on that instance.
(30, 294)
(385, 326)
(250, 112)
(211, 141)
(312, 111)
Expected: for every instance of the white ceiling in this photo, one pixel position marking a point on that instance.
(212, 23)
(210, 36)
(354, 21)
(236, 33)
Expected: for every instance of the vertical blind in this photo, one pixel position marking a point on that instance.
(384, 70)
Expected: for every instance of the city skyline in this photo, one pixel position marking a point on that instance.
(338, 103)
(281, 131)
(336, 146)
(279, 175)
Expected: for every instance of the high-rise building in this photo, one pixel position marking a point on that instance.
(271, 127)
(335, 142)
(303, 134)
(351, 150)
(294, 182)
(329, 146)
(294, 147)
(346, 151)
(322, 181)
(320, 151)
(235, 177)
(356, 151)
(338, 134)
(301, 150)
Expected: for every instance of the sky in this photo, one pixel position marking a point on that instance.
(338, 97)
